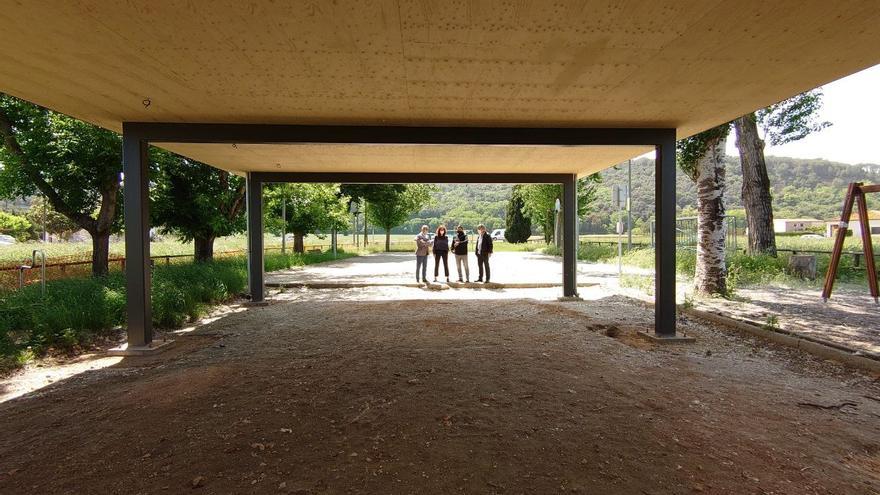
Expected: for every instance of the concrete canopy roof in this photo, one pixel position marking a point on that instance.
(684, 64)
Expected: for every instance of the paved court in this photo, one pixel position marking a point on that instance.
(399, 269)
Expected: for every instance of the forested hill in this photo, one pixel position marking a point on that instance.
(465, 204)
(801, 188)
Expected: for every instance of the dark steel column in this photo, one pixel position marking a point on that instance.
(664, 251)
(137, 240)
(570, 239)
(255, 237)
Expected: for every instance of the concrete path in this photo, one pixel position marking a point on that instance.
(511, 269)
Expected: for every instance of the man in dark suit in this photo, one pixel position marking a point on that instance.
(483, 250)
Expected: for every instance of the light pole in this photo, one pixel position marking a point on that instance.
(556, 208)
(629, 188)
(353, 209)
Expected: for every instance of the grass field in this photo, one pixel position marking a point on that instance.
(57, 252)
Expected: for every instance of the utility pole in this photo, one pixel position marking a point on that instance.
(629, 188)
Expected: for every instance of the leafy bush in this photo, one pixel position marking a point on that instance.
(14, 225)
(76, 310)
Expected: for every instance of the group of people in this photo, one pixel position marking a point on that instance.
(440, 245)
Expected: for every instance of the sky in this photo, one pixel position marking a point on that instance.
(852, 105)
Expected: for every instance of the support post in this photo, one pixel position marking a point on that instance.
(255, 238)
(137, 241)
(664, 251)
(570, 238)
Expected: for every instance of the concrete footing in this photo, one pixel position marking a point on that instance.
(569, 298)
(147, 350)
(255, 304)
(663, 339)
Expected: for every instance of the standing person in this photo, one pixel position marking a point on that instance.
(423, 244)
(459, 247)
(483, 250)
(441, 251)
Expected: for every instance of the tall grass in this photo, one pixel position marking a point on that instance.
(77, 310)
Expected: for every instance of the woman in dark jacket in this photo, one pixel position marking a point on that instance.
(460, 247)
(441, 251)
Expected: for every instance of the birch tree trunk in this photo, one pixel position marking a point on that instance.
(756, 196)
(711, 272)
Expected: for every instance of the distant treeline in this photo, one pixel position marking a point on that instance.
(801, 188)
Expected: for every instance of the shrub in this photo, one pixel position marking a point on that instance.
(75, 310)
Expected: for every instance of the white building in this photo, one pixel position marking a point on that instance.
(855, 225)
(785, 225)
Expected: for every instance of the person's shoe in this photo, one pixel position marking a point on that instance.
(435, 279)
(467, 281)
(460, 280)
(447, 280)
(479, 281)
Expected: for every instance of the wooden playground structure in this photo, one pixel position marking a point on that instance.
(856, 194)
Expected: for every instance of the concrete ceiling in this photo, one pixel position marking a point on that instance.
(687, 64)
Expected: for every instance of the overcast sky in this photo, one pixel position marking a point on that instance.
(852, 105)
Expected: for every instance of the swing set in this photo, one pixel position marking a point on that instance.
(855, 194)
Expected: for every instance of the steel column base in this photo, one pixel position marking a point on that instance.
(154, 347)
(658, 338)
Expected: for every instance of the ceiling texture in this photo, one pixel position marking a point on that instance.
(684, 64)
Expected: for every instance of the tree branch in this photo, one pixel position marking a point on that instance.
(58, 203)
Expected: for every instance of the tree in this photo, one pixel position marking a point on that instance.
(783, 122)
(14, 225)
(701, 157)
(41, 215)
(539, 201)
(309, 208)
(195, 202)
(365, 193)
(389, 207)
(76, 165)
(518, 227)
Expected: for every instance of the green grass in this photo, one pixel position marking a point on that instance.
(76, 311)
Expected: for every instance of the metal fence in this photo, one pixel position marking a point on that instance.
(686, 235)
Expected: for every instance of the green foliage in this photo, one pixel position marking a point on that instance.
(518, 226)
(14, 225)
(41, 212)
(193, 200)
(539, 201)
(800, 188)
(467, 205)
(691, 149)
(390, 207)
(76, 165)
(310, 208)
(68, 160)
(792, 119)
(76, 310)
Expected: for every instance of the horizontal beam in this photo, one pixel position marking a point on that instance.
(157, 132)
(408, 178)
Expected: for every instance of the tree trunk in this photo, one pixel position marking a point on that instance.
(711, 272)
(100, 253)
(298, 244)
(755, 186)
(204, 248)
(387, 240)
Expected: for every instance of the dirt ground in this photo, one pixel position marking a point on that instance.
(849, 318)
(320, 393)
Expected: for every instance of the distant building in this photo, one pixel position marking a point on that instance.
(785, 225)
(855, 225)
